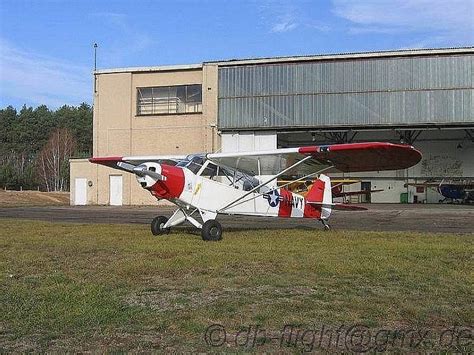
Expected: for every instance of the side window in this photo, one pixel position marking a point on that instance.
(210, 171)
(169, 100)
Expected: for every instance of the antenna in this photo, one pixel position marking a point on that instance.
(95, 67)
(95, 56)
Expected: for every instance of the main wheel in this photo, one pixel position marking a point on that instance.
(157, 225)
(211, 230)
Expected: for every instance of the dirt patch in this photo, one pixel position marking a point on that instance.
(178, 299)
(33, 198)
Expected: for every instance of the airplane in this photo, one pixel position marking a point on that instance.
(244, 183)
(453, 191)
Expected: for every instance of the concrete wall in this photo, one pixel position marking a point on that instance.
(81, 168)
(119, 131)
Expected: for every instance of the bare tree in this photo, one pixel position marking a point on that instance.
(53, 160)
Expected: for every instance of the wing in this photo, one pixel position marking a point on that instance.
(351, 157)
(354, 193)
(423, 184)
(128, 163)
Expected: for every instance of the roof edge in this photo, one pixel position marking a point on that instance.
(149, 69)
(348, 55)
(297, 58)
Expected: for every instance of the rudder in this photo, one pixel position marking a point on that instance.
(321, 191)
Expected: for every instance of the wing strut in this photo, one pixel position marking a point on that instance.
(266, 182)
(279, 187)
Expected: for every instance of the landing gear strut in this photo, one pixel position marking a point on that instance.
(157, 225)
(326, 225)
(211, 230)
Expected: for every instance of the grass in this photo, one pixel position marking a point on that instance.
(115, 287)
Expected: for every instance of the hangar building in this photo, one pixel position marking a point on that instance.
(421, 97)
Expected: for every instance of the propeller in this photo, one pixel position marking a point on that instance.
(142, 171)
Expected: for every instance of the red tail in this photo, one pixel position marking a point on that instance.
(316, 193)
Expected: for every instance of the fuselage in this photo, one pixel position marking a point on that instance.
(213, 194)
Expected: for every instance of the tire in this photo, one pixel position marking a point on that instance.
(157, 225)
(211, 231)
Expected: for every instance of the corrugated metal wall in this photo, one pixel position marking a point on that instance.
(394, 91)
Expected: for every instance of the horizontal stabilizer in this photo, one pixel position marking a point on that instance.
(338, 206)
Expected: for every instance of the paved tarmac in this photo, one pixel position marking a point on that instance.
(379, 217)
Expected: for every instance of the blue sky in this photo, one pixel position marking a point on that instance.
(46, 47)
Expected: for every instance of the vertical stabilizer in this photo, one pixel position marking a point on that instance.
(321, 192)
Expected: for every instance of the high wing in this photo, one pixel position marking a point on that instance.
(128, 163)
(350, 157)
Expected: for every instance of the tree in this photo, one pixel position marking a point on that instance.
(53, 160)
(24, 133)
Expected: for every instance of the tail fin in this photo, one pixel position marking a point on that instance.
(321, 192)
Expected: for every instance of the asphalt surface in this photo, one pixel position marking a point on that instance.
(380, 217)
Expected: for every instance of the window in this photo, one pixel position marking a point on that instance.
(166, 100)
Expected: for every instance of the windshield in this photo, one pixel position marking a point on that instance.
(193, 162)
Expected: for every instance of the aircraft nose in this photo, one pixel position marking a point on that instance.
(148, 174)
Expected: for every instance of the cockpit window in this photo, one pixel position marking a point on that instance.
(192, 162)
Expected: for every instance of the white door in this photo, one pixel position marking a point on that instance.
(115, 190)
(80, 191)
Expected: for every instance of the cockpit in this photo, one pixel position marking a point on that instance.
(193, 162)
(200, 165)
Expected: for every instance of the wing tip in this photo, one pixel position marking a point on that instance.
(105, 160)
(394, 156)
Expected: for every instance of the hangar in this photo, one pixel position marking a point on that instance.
(420, 97)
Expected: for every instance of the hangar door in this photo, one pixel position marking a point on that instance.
(80, 191)
(115, 190)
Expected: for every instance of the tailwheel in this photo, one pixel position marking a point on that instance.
(211, 230)
(157, 225)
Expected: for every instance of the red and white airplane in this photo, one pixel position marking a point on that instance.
(245, 183)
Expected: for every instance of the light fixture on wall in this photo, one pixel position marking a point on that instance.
(313, 137)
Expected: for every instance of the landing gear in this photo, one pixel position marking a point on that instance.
(157, 225)
(326, 225)
(211, 230)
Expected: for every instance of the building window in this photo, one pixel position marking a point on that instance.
(166, 100)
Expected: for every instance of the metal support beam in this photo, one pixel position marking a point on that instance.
(337, 137)
(409, 136)
(470, 134)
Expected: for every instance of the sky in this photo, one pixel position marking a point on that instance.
(47, 54)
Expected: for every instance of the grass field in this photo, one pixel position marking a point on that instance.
(115, 287)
